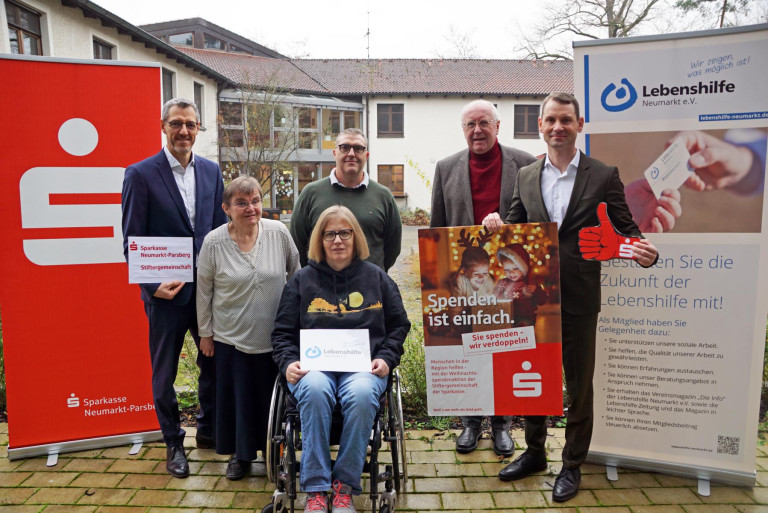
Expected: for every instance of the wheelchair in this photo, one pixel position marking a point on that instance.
(284, 441)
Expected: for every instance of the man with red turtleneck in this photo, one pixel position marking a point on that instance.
(468, 186)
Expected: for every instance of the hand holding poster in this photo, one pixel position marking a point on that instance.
(491, 306)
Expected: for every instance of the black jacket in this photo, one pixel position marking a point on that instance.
(362, 296)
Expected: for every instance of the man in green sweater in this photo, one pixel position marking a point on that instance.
(349, 185)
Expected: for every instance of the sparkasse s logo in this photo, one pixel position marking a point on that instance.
(73, 401)
(626, 94)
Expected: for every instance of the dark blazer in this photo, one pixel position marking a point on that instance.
(452, 191)
(153, 207)
(595, 183)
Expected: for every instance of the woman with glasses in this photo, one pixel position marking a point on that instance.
(338, 290)
(242, 267)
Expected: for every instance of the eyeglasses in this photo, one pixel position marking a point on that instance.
(344, 148)
(244, 204)
(330, 235)
(192, 126)
(471, 125)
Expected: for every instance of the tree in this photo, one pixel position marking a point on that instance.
(460, 45)
(563, 22)
(726, 12)
(584, 19)
(259, 135)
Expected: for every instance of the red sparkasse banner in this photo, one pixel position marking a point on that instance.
(74, 331)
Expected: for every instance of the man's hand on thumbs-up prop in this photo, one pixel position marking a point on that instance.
(603, 242)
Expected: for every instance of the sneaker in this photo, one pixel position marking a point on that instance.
(341, 498)
(316, 501)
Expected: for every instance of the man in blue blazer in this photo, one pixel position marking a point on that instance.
(175, 194)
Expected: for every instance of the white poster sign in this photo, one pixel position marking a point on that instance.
(680, 345)
(159, 259)
(335, 350)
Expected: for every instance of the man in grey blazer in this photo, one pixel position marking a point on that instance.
(467, 187)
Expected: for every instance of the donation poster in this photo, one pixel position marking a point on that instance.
(680, 345)
(74, 331)
(491, 307)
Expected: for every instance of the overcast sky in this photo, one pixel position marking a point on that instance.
(317, 29)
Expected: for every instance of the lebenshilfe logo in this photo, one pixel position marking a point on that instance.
(627, 90)
(313, 352)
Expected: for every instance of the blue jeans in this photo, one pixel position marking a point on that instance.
(317, 393)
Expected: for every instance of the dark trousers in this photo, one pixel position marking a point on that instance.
(579, 333)
(243, 397)
(168, 324)
(497, 421)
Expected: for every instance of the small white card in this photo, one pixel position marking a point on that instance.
(335, 350)
(159, 259)
(670, 170)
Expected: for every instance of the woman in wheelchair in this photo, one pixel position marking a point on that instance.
(338, 290)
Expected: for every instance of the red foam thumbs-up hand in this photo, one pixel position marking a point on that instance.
(603, 242)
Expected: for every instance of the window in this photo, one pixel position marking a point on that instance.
(526, 121)
(214, 43)
(307, 174)
(308, 131)
(185, 39)
(23, 30)
(392, 177)
(351, 119)
(102, 50)
(199, 99)
(231, 113)
(167, 85)
(390, 119)
(237, 49)
(231, 137)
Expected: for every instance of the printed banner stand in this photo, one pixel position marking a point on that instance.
(680, 345)
(491, 306)
(74, 331)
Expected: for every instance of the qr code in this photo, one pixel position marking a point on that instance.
(728, 444)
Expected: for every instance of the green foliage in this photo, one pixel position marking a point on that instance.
(413, 374)
(188, 374)
(419, 172)
(414, 217)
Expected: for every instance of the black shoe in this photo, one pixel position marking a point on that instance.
(176, 461)
(205, 441)
(525, 465)
(566, 484)
(503, 445)
(467, 440)
(237, 469)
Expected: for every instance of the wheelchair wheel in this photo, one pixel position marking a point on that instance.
(267, 509)
(396, 429)
(275, 435)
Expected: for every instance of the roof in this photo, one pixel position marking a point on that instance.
(440, 76)
(107, 19)
(190, 23)
(393, 76)
(249, 70)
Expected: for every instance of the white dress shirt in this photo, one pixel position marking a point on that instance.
(185, 179)
(335, 181)
(557, 187)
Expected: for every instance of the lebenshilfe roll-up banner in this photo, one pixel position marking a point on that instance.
(680, 345)
(74, 331)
